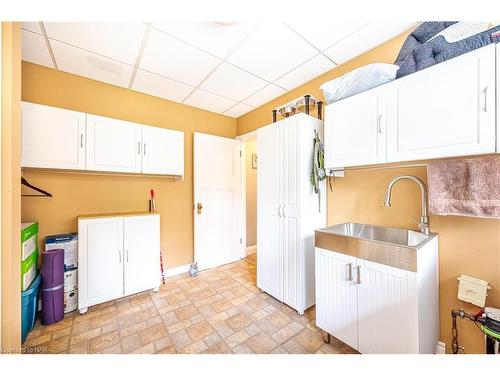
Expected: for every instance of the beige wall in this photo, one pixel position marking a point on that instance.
(76, 194)
(467, 245)
(10, 194)
(251, 193)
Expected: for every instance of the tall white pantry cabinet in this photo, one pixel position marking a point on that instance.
(288, 210)
(118, 255)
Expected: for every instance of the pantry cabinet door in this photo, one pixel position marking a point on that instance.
(445, 110)
(163, 151)
(387, 309)
(113, 145)
(141, 237)
(355, 130)
(52, 137)
(100, 261)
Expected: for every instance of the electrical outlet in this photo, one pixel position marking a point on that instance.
(440, 348)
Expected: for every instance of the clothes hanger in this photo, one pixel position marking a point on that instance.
(42, 192)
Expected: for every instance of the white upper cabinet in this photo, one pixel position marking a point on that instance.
(113, 145)
(445, 110)
(163, 151)
(52, 137)
(354, 130)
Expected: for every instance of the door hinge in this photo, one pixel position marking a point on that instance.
(240, 154)
(241, 240)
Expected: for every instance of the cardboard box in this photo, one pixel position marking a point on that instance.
(70, 280)
(29, 239)
(29, 270)
(70, 301)
(69, 243)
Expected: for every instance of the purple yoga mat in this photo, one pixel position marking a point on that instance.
(53, 286)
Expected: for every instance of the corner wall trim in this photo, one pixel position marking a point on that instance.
(177, 270)
(250, 250)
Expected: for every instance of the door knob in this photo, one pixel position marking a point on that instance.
(199, 206)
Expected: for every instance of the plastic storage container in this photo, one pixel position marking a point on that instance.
(29, 307)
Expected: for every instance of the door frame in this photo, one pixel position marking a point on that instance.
(243, 138)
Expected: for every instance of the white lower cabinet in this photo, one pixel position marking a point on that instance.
(375, 308)
(117, 256)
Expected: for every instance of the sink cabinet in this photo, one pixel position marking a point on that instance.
(376, 308)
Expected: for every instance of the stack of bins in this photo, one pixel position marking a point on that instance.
(30, 279)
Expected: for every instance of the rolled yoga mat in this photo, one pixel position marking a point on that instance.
(53, 286)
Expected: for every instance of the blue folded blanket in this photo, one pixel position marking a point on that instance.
(419, 52)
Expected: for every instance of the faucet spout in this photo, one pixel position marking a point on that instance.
(423, 224)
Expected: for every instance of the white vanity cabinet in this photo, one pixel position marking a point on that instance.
(445, 110)
(113, 145)
(52, 137)
(118, 255)
(376, 308)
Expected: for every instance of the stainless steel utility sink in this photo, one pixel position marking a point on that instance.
(396, 247)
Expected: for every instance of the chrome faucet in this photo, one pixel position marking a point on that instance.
(423, 224)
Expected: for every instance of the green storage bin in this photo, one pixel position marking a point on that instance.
(29, 239)
(29, 270)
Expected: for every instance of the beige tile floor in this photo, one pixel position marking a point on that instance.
(219, 311)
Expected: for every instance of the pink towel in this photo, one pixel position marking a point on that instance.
(467, 187)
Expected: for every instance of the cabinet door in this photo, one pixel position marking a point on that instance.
(269, 211)
(292, 272)
(52, 137)
(336, 296)
(387, 309)
(141, 236)
(355, 130)
(163, 151)
(113, 145)
(100, 260)
(445, 110)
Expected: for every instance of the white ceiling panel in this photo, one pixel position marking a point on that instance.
(172, 58)
(265, 95)
(271, 51)
(365, 39)
(117, 40)
(34, 49)
(32, 26)
(214, 37)
(323, 34)
(83, 63)
(238, 110)
(232, 82)
(307, 71)
(162, 87)
(211, 102)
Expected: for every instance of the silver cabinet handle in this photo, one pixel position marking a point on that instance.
(119, 256)
(139, 148)
(81, 140)
(485, 97)
(126, 254)
(358, 274)
(283, 210)
(379, 125)
(144, 148)
(349, 272)
(279, 210)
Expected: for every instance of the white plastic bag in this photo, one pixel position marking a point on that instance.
(358, 80)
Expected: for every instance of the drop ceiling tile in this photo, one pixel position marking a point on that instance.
(217, 38)
(271, 51)
(232, 82)
(365, 39)
(211, 102)
(307, 71)
(162, 87)
(32, 26)
(34, 49)
(238, 110)
(323, 34)
(117, 40)
(83, 63)
(265, 95)
(174, 59)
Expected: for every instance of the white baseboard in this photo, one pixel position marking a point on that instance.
(250, 250)
(440, 348)
(177, 270)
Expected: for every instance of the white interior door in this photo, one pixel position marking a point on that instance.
(218, 212)
(269, 210)
(113, 145)
(141, 239)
